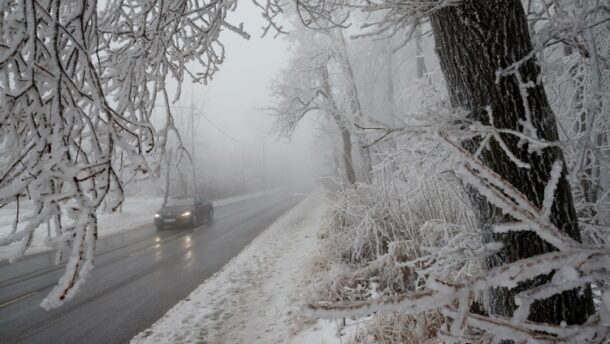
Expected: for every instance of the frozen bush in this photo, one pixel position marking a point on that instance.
(387, 238)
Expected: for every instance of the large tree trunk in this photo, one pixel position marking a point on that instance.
(355, 106)
(346, 135)
(346, 141)
(474, 41)
(390, 100)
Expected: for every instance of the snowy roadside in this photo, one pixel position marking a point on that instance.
(137, 211)
(253, 298)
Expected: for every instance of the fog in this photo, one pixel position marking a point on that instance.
(235, 149)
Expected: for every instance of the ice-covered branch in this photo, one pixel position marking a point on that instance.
(583, 264)
(79, 84)
(510, 200)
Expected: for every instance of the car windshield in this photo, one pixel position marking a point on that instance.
(180, 201)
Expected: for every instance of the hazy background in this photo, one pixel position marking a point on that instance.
(242, 155)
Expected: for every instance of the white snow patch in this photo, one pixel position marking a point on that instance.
(254, 298)
(137, 211)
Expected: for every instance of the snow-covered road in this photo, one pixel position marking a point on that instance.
(253, 299)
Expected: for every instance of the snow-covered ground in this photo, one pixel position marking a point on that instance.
(254, 298)
(137, 211)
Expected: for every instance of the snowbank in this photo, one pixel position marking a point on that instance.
(253, 299)
(137, 211)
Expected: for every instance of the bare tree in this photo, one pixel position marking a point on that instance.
(496, 37)
(504, 129)
(342, 57)
(306, 87)
(78, 87)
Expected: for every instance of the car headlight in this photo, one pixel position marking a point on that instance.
(157, 215)
(186, 213)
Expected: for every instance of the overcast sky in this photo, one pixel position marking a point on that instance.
(235, 100)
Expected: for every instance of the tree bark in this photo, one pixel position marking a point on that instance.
(346, 141)
(167, 176)
(474, 41)
(346, 135)
(355, 106)
(390, 99)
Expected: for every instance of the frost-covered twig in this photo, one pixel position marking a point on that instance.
(78, 87)
(442, 293)
(510, 200)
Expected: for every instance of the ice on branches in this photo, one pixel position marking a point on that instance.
(442, 294)
(569, 55)
(78, 87)
(574, 266)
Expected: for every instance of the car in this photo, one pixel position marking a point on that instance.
(184, 211)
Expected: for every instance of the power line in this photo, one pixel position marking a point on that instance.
(200, 113)
(219, 129)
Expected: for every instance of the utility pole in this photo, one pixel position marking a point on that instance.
(264, 170)
(193, 149)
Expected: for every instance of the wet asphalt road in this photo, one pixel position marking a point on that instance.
(138, 276)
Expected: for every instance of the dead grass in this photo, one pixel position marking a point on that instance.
(400, 328)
